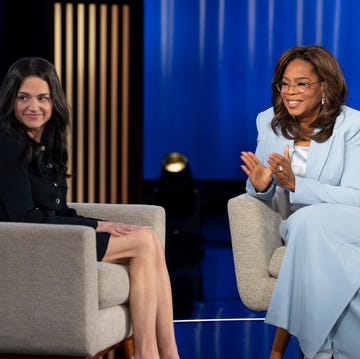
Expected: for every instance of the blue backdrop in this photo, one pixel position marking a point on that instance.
(208, 69)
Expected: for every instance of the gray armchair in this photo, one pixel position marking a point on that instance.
(257, 247)
(55, 299)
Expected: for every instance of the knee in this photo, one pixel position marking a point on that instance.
(309, 219)
(301, 218)
(149, 243)
(313, 215)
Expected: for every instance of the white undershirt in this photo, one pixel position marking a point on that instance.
(299, 159)
(298, 165)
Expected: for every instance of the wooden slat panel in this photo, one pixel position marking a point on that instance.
(114, 103)
(92, 103)
(80, 99)
(103, 105)
(125, 103)
(92, 52)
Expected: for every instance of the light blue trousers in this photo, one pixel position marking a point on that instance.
(343, 341)
(316, 297)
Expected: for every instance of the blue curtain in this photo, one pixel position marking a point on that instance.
(208, 70)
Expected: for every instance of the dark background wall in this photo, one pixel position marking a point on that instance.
(26, 30)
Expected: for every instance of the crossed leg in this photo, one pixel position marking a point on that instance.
(150, 293)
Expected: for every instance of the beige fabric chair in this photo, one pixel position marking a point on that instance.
(55, 299)
(257, 247)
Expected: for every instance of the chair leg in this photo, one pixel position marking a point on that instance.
(123, 350)
(126, 349)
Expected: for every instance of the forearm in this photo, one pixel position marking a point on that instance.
(265, 195)
(309, 191)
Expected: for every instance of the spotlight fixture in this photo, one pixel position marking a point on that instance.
(174, 162)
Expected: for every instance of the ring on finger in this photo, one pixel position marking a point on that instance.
(280, 169)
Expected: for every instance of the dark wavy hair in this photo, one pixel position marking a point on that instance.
(328, 70)
(55, 131)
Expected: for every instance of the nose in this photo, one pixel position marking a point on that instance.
(292, 90)
(33, 104)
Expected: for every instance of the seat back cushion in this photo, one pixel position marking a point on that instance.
(113, 284)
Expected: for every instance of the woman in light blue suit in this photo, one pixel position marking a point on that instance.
(309, 144)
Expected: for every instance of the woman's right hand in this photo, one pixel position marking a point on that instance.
(259, 175)
(117, 229)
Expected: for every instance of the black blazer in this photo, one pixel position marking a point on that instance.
(26, 196)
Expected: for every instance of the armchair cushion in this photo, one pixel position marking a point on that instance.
(276, 260)
(113, 284)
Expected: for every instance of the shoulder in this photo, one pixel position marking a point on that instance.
(267, 114)
(11, 148)
(264, 118)
(348, 117)
(10, 142)
(347, 124)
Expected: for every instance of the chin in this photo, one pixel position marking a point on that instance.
(294, 113)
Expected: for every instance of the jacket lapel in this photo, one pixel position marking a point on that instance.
(319, 153)
(318, 156)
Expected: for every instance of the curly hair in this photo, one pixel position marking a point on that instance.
(328, 70)
(55, 131)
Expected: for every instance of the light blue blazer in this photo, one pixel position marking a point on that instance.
(332, 169)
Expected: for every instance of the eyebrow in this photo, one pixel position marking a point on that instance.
(40, 94)
(298, 78)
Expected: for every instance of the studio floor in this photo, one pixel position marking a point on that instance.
(210, 320)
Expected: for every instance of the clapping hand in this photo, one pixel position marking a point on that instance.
(280, 166)
(259, 175)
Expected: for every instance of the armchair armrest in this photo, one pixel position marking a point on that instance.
(138, 214)
(254, 228)
(49, 288)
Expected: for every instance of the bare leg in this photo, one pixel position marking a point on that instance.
(150, 293)
(281, 340)
(164, 320)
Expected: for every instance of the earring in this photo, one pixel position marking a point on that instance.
(323, 100)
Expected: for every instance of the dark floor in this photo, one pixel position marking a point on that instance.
(210, 320)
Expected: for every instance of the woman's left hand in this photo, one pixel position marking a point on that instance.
(281, 168)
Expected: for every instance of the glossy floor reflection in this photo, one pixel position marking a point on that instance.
(243, 339)
(210, 320)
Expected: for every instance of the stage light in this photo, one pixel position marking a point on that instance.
(174, 162)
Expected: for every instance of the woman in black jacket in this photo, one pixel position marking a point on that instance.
(34, 120)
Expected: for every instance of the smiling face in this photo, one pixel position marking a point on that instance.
(33, 106)
(304, 106)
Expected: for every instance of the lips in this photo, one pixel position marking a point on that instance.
(293, 103)
(33, 116)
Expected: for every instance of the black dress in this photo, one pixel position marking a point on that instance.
(29, 196)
